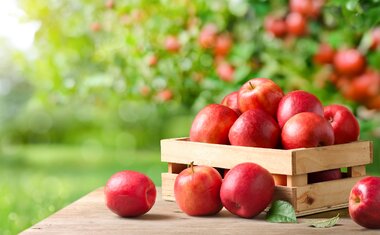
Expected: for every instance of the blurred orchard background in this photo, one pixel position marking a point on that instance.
(88, 88)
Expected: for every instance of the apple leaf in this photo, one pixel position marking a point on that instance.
(327, 223)
(281, 212)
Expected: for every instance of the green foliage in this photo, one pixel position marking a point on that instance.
(93, 62)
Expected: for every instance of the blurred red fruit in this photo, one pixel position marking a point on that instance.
(207, 37)
(349, 62)
(275, 27)
(223, 45)
(152, 60)
(144, 90)
(373, 102)
(165, 95)
(324, 55)
(308, 8)
(375, 34)
(172, 44)
(296, 24)
(225, 71)
(110, 4)
(362, 87)
(95, 27)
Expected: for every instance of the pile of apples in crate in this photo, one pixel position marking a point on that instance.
(261, 115)
(258, 115)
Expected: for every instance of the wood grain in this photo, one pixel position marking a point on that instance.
(276, 161)
(89, 215)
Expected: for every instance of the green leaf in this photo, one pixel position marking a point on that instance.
(328, 223)
(281, 212)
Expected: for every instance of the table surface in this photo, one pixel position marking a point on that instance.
(89, 215)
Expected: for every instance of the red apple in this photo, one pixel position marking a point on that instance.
(164, 95)
(364, 202)
(296, 24)
(325, 54)
(223, 45)
(306, 130)
(95, 27)
(247, 189)
(297, 102)
(130, 193)
(362, 87)
(110, 4)
(308, 8)
(373, 102)
(349, 62)
(375, 34)
(212, 124)
(346, 127)
(275, 26)
(196, 190)
(231, 101)
(255, 128)
(260, 93)
(152, 60)
(172, 44)
(326, 175)
(207, 37)
(225, 71)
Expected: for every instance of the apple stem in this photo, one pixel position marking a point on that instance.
(191, 165)
(251, 85)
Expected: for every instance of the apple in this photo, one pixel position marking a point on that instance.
(308, 8)
(326, 175)
(110, 4)
(223, 45)
(325, 54)
(297, 102)
(373, 102)
(346, 127)
(212, 124)
(260, 93)
(152, 60)
(172, 44)
(275, 26)
(231, 101)
(196, 190)
(349, 62)
(375, 38)
(364, 202)
(255, 128)
(208, 36)
(95, 27)
(165, 95)
(130, 193)
(306, 130)
(225, 71)
(362, 87)
(144, 90)
(247, 189)
(296, 24)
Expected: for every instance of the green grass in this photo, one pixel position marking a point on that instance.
(36, 181)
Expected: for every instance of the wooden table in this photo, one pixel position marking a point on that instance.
(89, 215)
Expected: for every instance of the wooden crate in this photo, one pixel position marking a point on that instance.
(295, 164)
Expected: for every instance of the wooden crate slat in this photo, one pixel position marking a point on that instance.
(225, 156)
(324, 194)
(331, 157)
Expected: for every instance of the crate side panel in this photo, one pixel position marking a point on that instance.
(168, 186)
(324, 194)
(332, 157)
(225, 156)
